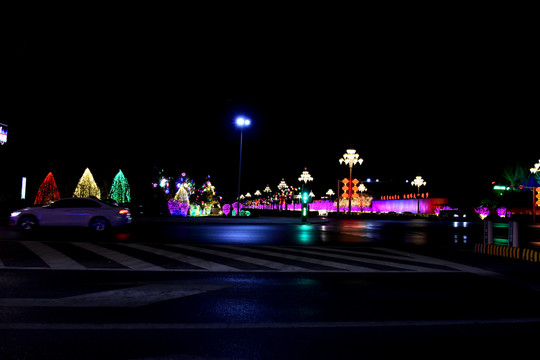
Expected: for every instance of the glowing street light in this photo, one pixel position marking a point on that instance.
(305, 177)
(350, 158)
(241, 122)
(535, 168)
(418, 181)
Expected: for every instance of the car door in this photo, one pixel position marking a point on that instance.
(81, 212)
(57, 213)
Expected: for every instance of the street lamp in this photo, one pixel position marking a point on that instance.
(305, 177)
(241, 122)
(534, 170)
(350, 158)
(418, 181)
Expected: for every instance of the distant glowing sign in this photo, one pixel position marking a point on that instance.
(3, 134)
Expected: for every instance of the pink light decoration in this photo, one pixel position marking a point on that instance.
(427, 206)
(178, 208)
(482, 211)
(503, 212)
(226, 209)
(235, 207)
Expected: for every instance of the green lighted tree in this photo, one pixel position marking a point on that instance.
(120, 191)
(48, 191)
(87, 187)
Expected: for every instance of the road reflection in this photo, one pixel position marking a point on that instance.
(332, 232)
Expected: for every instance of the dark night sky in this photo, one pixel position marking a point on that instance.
(453, 102)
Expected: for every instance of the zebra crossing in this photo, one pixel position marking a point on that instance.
(56, 255)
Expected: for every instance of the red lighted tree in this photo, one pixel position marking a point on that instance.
(48, 192)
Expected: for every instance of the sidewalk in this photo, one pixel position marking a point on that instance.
(256, 220)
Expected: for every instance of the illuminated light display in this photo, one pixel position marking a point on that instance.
(3, 134)
(345, 189)
(226, 209)
(120, 190)
(178, 208)
(367, 204)
(236, 205)
(503, 212)
(87, 187)
(404, 196)
(48, 191)
(179, 205)
(427, 206)
(482, 211)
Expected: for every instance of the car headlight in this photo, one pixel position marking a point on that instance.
(15, 213)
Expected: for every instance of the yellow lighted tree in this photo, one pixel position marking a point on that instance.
(87, 187)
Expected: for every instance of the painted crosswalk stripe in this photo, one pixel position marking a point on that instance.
(303, 259)
(400, 263)
(201, 263)
(213, 257)
(270, 265)
(123, 259)
(53, 258)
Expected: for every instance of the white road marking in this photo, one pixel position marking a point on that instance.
(202, 263)
(333, 264)
(358, 257)
(123, 259)
(256, 261)
(54, 258)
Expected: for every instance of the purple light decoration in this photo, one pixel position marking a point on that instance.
(503, 212)
(482, 211)
(178, 208)
(235, 206)
(226, 209)
(427, 206)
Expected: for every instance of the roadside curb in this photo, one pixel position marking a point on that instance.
(509, 252)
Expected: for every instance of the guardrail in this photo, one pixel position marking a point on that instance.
(510, 252)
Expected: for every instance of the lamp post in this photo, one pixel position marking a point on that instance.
(534, 170)
(241, 123)
(350, 158)
(418, 181)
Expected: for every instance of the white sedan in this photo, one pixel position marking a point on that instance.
(83, 212)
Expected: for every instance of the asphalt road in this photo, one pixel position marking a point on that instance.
(263, 291)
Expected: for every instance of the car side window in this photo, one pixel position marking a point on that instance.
(60, 204)
(83, 203)
(74, 203)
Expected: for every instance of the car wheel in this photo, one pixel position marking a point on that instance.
(28, 223)
(99, 225)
